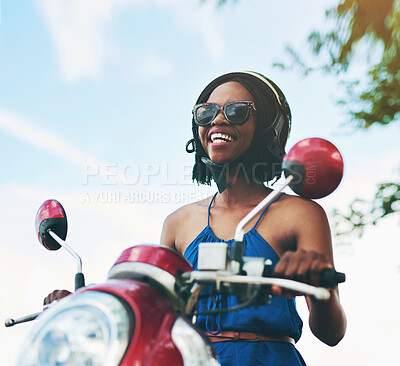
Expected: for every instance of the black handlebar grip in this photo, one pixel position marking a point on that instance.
(330, 278)
(79, 281)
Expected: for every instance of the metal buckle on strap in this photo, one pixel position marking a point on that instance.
(258, 338)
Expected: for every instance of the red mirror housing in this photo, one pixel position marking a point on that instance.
(51, 216)
(316, 165)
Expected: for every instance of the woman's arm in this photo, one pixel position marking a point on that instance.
(314, 253)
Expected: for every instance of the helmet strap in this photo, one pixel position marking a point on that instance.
(219, 171)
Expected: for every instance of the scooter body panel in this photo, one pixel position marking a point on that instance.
(153, 318)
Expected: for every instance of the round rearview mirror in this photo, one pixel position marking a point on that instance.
(51, 216)
(316, 166)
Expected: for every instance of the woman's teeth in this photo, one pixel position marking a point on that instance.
(220, 137)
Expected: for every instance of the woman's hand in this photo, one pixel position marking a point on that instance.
(303, 266)
(55, 295)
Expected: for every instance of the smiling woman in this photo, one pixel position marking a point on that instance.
(268, 106)
(223, 140)
(240, 124)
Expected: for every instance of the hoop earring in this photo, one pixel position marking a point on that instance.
(191, 149)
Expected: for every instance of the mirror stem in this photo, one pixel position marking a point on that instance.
(239, 229)
(79, 279)
(68, 249)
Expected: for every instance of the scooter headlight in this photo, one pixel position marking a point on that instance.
(89, 329)
(194, 350)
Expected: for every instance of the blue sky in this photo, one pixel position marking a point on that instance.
(107, 87)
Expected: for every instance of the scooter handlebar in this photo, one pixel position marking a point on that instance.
(331, 278)
(9, 322)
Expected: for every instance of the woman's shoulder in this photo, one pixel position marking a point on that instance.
(299, 215)
(181, 225)
(295, 212)
(298, 205)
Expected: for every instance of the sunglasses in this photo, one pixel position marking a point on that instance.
(235, 112)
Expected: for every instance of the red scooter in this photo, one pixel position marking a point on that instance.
(142, 314)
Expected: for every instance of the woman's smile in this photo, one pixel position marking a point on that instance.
(219, 138)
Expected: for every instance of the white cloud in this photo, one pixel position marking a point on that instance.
(80, 31)
(24, 130)
(202, 18)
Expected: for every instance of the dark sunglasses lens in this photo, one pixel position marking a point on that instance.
(238, 112)
(204, 114)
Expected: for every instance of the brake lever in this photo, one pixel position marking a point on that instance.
(10, 322)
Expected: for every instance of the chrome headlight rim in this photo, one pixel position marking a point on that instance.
(105, 314)
(195, 351)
